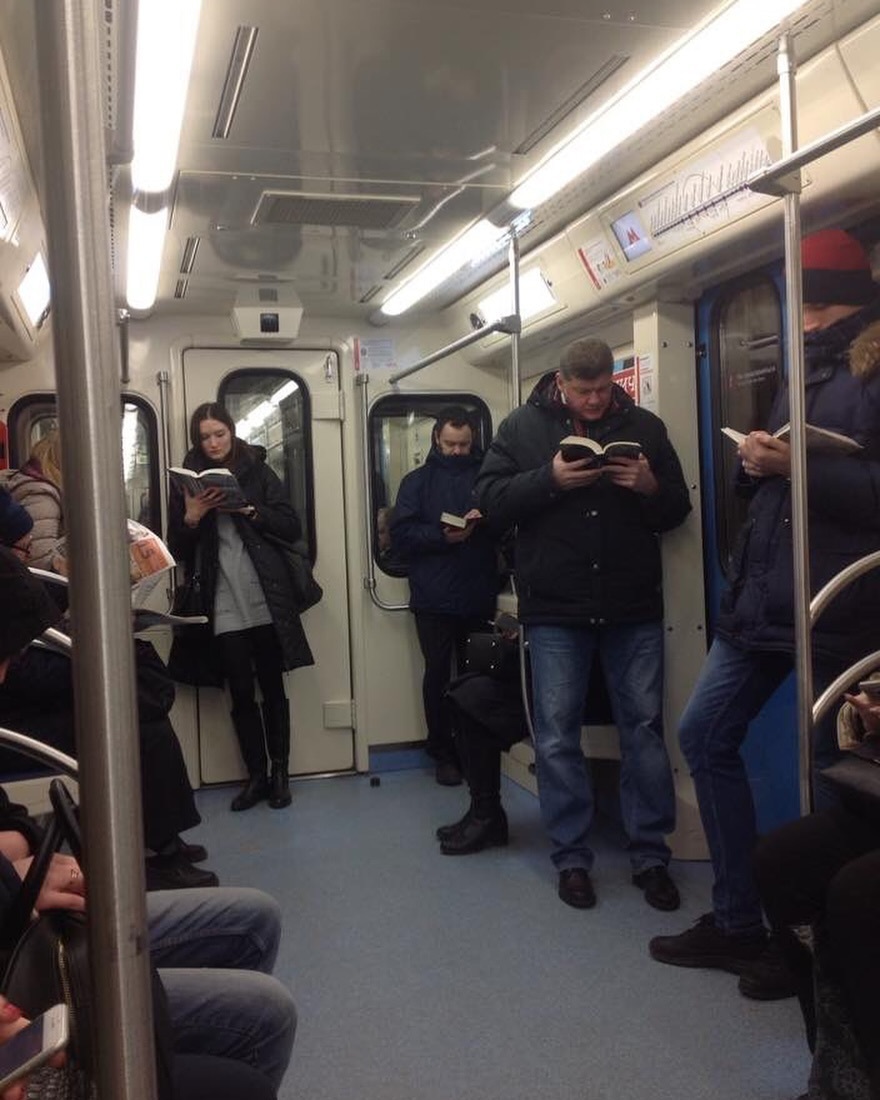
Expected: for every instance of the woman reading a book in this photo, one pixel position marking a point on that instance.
(248, 596)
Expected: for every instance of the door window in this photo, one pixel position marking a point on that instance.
(400, 428)
(271, 410)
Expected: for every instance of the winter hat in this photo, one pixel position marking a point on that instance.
(15, 521)
(26, 609)
(836, 270)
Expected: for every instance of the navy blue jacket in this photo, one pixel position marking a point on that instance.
(587, 556)
(843, 394)
(444, 578)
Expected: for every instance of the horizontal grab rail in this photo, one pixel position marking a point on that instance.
(839, 581)
(769, 180)
(510, 325)
(39, 751)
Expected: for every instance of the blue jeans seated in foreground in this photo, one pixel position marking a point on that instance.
(215, 950)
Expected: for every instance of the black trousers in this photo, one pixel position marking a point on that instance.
(251, 657)
(825, 869)
(442, 641)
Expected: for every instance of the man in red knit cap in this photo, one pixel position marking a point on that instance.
(753, 648)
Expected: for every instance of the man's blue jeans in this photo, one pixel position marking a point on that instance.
(632, 661)
(733, 686)
(215, 950)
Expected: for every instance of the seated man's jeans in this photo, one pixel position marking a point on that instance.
(733, 686)
(215, 949)
(632, 661)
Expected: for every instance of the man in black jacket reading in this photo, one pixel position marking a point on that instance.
(589, 580)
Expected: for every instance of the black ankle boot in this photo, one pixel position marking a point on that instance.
(444, 832)
(477, 834)
(254, 791)
(279, 786)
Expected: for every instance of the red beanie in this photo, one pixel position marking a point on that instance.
(836, 270)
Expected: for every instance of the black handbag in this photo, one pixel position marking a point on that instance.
(306, 590)
(188, 597)
(190, 659)
(491, 655)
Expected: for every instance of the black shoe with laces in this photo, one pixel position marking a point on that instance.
(768, 978)
(575, 888)
(192, 853)
(705, 945)
(175, 873)
(660, 891)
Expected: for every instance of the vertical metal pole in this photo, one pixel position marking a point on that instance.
(68, 37)
(795, 321)
(515, 379)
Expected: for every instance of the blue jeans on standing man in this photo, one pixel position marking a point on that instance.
(215, 949)
(733, 686)
(632, 661)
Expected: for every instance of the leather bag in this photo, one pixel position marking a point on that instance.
(306, 590)
(491, 655)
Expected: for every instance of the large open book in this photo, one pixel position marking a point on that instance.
(574, 447)
(193, 484)
(819, 440)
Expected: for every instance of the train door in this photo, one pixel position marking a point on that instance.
(740, 330)
(290, 403)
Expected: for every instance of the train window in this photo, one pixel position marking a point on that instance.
(33, 417)
(748, 352)
(400, 438)
(270, 409)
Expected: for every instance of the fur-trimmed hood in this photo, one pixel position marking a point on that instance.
(864, 352)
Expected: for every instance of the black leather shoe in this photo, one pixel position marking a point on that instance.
(476, 835)
(660, 891)
(175, 873)
(705, 945)
(447, 774)
(444, 832)
(255, 790)
(575, 888)
(279, 787)
(192, 853)
(768, 978)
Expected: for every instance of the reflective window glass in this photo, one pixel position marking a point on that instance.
(400, 428)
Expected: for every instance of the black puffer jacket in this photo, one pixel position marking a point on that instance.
(275, 517)
(588, 556)
(843, 394)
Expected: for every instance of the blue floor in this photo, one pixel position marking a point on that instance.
(424, 977)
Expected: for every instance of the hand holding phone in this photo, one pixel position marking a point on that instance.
(870, 687)
(33, 1046)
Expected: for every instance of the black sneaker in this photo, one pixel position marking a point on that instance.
(706, 945)
(660, 891)
(768, 978)
(175, 873)
(575, 888)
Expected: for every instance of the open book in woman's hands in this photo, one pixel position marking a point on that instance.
(213, 478)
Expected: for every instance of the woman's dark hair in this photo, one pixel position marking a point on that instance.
(211, 410)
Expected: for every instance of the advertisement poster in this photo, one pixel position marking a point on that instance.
(628, 379)
(599, 263)
(374, 353)
(647, 382)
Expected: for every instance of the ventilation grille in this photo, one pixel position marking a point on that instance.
(111, 64)
(356, 211)
(603, 73)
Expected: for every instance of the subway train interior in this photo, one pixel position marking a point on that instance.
(312, 199)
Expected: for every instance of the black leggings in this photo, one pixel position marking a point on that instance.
(826, 868)
(249, 656)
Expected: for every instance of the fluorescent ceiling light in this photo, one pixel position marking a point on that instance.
(146, 240)
(690, 61)
(166, 39)
(476, 244)
(535, 296)
(34, 291)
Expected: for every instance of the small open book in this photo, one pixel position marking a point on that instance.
(574, 447)
(194, 483)
(819, 440)
(450, 519)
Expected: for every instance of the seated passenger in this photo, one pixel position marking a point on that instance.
(488, 717)
(215, 949)
(37, 488)
(16, 526)
(824, 871)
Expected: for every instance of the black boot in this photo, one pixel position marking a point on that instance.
(481, 766)
(276, 717)
(487, 828)
(249, 730)
(444, 832)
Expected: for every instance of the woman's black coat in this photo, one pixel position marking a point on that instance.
(198, 549)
